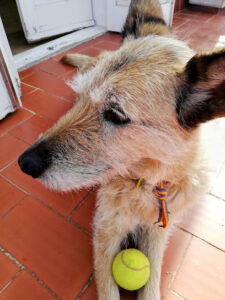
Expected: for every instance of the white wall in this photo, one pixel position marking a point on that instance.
(99, 12)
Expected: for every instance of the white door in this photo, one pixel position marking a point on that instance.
(117, 12)
(10, 91)
(44, 18)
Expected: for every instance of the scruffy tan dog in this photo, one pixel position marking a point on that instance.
(138, 116)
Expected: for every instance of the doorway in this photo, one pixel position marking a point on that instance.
(13, 28)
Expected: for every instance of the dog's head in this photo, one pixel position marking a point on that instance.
(137, 107)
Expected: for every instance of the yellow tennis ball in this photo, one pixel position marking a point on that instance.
(131, 269)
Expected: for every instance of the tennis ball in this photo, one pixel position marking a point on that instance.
(131, 269)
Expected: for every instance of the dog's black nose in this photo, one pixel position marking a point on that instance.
(35, 160)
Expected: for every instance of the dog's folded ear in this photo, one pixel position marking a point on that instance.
(201, 93)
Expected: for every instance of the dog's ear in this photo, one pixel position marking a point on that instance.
(201, 94)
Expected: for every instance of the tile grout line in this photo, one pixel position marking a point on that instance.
(8, 165)
(14, 260)
(49, 207)
(177, 294)
(19, 139)
(79, 227)
(217, 197)
(34, 89)
(17, 124)
(56, 75)
(41, 116)
(22, 267)
(15, 185)
(179, 26)
(205, 241)
(89, 193)
(21, 79)
(43, 284)
(10, 281)
(11, 208)
(85, 286)
(27, 84)
(47, 92)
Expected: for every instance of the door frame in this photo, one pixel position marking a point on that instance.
(8, 64)
(35, 28)
(40, 53)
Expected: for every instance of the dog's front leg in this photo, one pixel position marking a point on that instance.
(152, 244)
(106, 246)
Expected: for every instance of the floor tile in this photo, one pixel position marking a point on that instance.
(184, 32)
(177, 22)
(12, 120)
(90, 293)
(92, 51)
(58, 252)
(69, 76)
(107, 45)
(25, 287)
(59, 56)
(208, 46)
(10, 149)
(171, 296)
(218, 188)
(46, 105)
(9, 196)
(26, 89)
(26, 72)
(196, 43)
(201, 275)
(64, 203)
(203, 32)
(51, 84)
(194, 15)
(207, 220)
(213, 137)
(8, 270)
(172, 257)
(91, 43)
(30, 130)
(83, 216)
(52, 66)
(111, 37)
(217, 22)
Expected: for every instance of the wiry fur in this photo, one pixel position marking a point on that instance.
(147, 82)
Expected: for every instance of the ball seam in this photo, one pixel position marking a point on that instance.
(134, 269)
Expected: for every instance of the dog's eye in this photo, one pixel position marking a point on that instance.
(115, 116)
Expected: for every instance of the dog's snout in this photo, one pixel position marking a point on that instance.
(35, 161)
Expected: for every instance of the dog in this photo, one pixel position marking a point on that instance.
(137, 120)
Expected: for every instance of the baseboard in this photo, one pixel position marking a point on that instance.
(33, 56)
(207, 9)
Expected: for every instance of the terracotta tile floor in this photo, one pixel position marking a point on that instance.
(45, 237)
